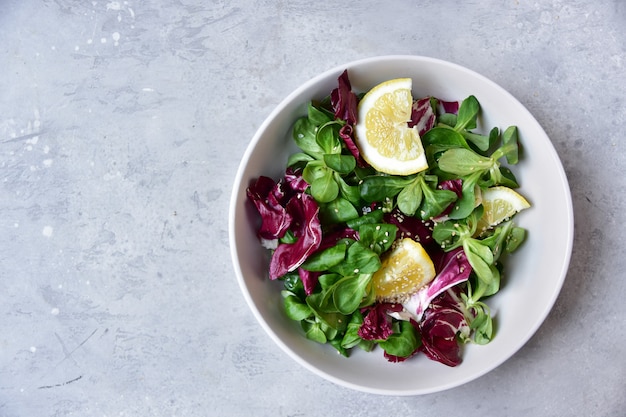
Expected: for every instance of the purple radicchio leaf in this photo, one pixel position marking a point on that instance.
(331, 238)
(269, 198)
(439, 328)
(422, 115)
(449, 106)
(346, 133)
(377, 322)
(306, 228)
(452, 269)
(294, 180)
(309, 280)
(412, 227)
(343, 100)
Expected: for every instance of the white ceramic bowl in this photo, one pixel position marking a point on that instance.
(535, 273)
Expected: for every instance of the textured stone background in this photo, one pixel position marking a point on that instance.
(122, 124)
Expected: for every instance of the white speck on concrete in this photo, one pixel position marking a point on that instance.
(47, 231)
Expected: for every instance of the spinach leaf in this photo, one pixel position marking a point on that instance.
(342, 164)
(304, 133)
(338, 211)
(349, 292)
(327, 137)
(374, 216)
(377, 188)
(324, 188)
(462, 162)
(299, 157)
(467, 114)
(326, 259)
(403, 343)
(351, 337)
(377, 236)
(317, 115)
(410, 197)
(359, 260)
(313, 331)
(295, 309)
(321, 305)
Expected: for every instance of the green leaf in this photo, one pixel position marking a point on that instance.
(318, 116)
(299, 157)
(480, 249)
(381, 187)
(510, 139)
(324, 310)
(328, 280)
(463, 162)
(378, 236)
(293, 284)
(351, 337)
(288, 237)
(448, 119)
(404, 343)
(515, 238)
(313, 331)
(326, 259)
(439, 139)
(343, 164)
(498, 238)
(410, 198)
(337, 344)
(294, 308)
(349, 192)
(338, 211)
(304, 132)
(349, 292)
(375, 216)
(435, 201)
(466, 204)
(330, 332)
(314, 170)
(480, 267)
(467, 114)
(480, 141)
(359, 260)
(321, 303)
(327, 138)
(494, 136)
(448, 235)
(324, 188)
(482, 325)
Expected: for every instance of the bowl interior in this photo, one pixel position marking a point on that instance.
(533, 276)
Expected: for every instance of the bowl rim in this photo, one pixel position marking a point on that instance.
(235, 199)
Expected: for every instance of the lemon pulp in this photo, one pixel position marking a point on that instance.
(404, 270)
(499, 203)
(383, 136)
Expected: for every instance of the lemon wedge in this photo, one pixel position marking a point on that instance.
(500, 203)
(383, 136)
(404, 270)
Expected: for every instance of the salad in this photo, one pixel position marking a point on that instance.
(374, 254)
